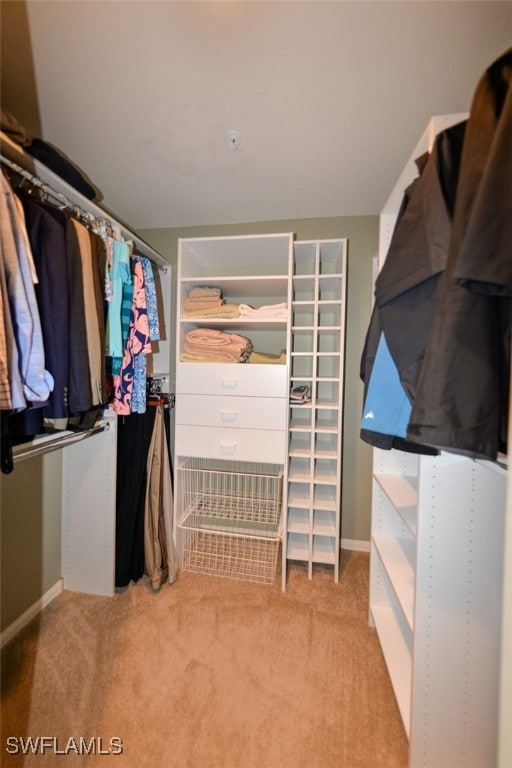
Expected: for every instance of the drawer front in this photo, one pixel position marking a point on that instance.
(232, 379)
(265, 445)
(236, 412)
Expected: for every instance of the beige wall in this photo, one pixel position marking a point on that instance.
(362, 234)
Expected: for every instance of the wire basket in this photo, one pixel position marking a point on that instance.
(229, 518)
(246, 558)
(231, 497)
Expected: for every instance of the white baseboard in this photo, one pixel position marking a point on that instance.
(13, 629)
(357, 545)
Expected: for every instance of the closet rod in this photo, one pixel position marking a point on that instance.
(46, 190)
(28, 450)
(14, 154)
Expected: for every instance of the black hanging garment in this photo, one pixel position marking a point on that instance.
(133, 441)
(406, 287)
(461, 401)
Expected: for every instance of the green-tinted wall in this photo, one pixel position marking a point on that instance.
(30, 531)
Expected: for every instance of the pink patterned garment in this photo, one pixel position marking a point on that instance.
(138, 344)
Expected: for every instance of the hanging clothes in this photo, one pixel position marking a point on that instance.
(130, 384)
(463, 391)
(24, 375)
(161, 561)
(387, 407)
(57, 294)
(134, 438)
(406, 287)
(80, 393)
(120, 279)
(405, 295)
(94, 312)
(47, 240)
(368, 432)
(442, 299)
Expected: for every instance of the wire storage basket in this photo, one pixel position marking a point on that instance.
(246, 558)
(229, 518)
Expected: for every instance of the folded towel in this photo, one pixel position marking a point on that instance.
(210, 337)
(209, 344)
(210, 302)
(200, 292)
(197, 357)
(265, 357)
(232, 352)
(267, 311)
(225, 310)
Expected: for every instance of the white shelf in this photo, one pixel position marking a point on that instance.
(208, 259)
(248, 285)
(327, 478)
(298, 521)
(398, 559)
(402, 491)
(325, 497)
(231, 412)
(324, 523)
(324, 550)
(297, 546)
(436, 580)
(298, 476)
(243, 323)
(317, 343)
(298, 496)
(397, 657)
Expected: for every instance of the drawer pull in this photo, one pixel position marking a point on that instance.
(228, 415)
(228, 383)
(227, 448)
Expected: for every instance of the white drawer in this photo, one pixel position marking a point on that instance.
(237, 412)
(232, 379)
(265, 445)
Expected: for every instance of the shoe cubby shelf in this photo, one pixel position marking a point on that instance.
(317, 344)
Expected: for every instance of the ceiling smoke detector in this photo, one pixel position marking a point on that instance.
(233, 139)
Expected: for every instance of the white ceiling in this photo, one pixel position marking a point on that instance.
(327, 99)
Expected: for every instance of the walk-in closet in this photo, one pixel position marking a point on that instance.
(255, 284)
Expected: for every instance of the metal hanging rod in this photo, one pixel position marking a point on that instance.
(59, 197)
(54, 442)
(49, 182)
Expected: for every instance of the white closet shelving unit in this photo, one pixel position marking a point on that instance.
(317, 341)
(89, 462)
(436, 581)
(241, 413)
(232, 419)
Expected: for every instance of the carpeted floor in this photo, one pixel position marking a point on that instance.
(209, 673)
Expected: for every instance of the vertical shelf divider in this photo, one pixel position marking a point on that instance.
(320, 267)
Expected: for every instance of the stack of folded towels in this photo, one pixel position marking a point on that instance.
(203, 301)
(209, 345)
(266, 312)
(204, 297)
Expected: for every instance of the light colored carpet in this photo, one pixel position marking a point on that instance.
(209, 673)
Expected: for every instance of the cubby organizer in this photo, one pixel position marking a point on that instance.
(317, 342)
